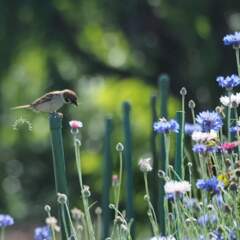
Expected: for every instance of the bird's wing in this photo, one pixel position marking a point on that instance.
(45, 98)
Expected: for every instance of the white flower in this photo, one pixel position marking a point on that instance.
(230, 101)
(164, 238)
(52, 222)
(145, 164)
(177, 187)
(204, 136)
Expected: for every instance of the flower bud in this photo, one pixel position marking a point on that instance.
(183, 91)
(47, 208)
(119, 147)
(86, 191)
(98, 211)
(62, 198)
(191, 104)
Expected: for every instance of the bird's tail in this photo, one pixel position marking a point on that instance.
(21, 107)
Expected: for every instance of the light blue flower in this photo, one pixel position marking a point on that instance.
(42, 233)
(6, 220)
(164, 126)
(232, 39)
(209, 121)
(190, 128)
(229, 81)
(210, 185)
(199, 148)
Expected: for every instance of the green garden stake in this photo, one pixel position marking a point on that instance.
(107, 177)
(178, 165)
(128, 160)
(163, 92)
(154, 175)
(55, 122)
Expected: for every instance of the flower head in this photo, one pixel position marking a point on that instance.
(42, 233)
(204, 136)
(229, 146)
(145, 164)
(210, 185)
(6, 220)
(205, 219)
(231, 101)
(190, 128)
(163, 238)
(232, 39)
(228, 82)
(52, 222)
(173, 187)
(199, 148)
(75, 124)
(209, 121)
(164, 126)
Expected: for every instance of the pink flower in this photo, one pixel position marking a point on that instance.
(229, 146)
(74, 124)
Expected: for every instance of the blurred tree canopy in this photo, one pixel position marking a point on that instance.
(108, 51)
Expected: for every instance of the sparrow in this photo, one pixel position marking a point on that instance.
(52, 101)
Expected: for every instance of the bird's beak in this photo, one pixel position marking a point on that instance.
(75, 103)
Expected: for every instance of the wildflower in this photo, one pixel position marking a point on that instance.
(230, 101)
(232, 39)
(75, 124)
(6, 220)
(173, 187)
(209, 121)
(204, 136)
(145, 165)
(224, 178)
(77, 214)
(207, 218)
(190, 128)
(210, 185)
(229, 146)
(235, 129)
(228, 82)
(52, 222)
(190, 202)
(199, 148)
(42, 233)
(164, 126)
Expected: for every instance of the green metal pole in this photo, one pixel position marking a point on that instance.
(107, 176)
(163, 92)
(128, 160)
(178, 166)
(154, 175)
(55, 122)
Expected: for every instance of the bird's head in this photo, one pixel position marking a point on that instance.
(70, 96)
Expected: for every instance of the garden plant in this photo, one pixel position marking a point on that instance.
(199, 191)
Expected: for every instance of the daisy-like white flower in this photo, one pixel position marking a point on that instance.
(231, 101)
(172, 187)
(145, 164)
(52, 222)
(204, 136)
(232, 39)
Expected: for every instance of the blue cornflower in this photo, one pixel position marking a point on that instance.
(209, 121)
(232, 39)
(42, 233)
(229, 81)
(232, 235)
(217, 235)
(235, 129)
(6, 220)
(210, 185)
(199, 148)
(190, 202)
(190, 128)
(164, 126)
(205, 219)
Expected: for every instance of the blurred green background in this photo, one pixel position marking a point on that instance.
(107, 51)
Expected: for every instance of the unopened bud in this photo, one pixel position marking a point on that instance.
(183, 91)
(98, 211)
(86, 191)
(47, 208)
(191, 104)
(62, 198)
(119, 147)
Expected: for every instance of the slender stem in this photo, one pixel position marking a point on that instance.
(229, 118)
(238, 61)
(120, 181)
(64, 221)
(2, 233)
(70, 221)
(77, 145)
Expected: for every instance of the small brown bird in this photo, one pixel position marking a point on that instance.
(52, 101)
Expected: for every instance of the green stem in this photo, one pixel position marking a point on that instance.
(64, 221)
(2, 233)
(229, 118)
(238, 61)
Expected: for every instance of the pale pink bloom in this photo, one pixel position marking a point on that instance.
(75, 124)
(177, 187)
(198, 136)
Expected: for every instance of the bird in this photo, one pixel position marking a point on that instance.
(52, 101)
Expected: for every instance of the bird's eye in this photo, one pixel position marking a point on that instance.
(67, 100)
